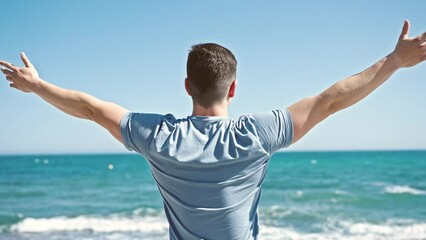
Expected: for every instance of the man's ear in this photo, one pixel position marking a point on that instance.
(232, 88)
(188, 90)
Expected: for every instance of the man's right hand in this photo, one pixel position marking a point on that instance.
(409, 51)
(310, 111)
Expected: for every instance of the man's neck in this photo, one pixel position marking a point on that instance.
(215, 110)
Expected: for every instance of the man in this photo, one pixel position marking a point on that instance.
(209, 169)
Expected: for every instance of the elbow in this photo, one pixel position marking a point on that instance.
(88, 114)
(83, 114)
(333, 108)
(86, 109)
(328, 104)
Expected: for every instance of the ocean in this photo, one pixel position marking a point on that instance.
(305, 196)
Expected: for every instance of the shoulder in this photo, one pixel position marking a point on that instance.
(143, 117)
(136, 121)
(263, 118)
(274, 128)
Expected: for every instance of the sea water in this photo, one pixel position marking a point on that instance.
(306, 196)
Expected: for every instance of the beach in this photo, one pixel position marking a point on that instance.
(305, 195)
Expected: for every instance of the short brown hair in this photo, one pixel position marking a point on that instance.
(211, 69)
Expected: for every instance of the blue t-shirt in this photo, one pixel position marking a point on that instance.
(209, 170)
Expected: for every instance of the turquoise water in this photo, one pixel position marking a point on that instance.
(306, 195)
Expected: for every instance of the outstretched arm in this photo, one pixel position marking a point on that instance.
(74, 103)
(310, 111)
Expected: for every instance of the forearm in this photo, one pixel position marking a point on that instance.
(308, 112)
(354, 88)
(75, 103)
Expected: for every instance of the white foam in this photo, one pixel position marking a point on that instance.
(350, 231)
(126, 226)
(388, 231)
(148, 224)
(396, 189)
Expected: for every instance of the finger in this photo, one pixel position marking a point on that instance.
(405, 30)
(25, 60)
(9, 78)
(13, 85)
(6, 72)
(8, 65)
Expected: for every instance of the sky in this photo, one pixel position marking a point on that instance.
(134, 53)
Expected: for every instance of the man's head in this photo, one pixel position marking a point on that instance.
(211, 70)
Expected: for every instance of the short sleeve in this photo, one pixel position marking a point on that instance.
(275, 129)
(138, 130)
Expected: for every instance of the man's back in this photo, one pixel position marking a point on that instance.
(209, 169)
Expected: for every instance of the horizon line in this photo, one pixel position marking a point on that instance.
(280, 151)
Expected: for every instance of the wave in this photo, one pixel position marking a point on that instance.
(351, 231)
(397, 189)
(114, 223)
(150, 226)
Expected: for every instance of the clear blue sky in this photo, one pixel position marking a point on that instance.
(134, 53)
